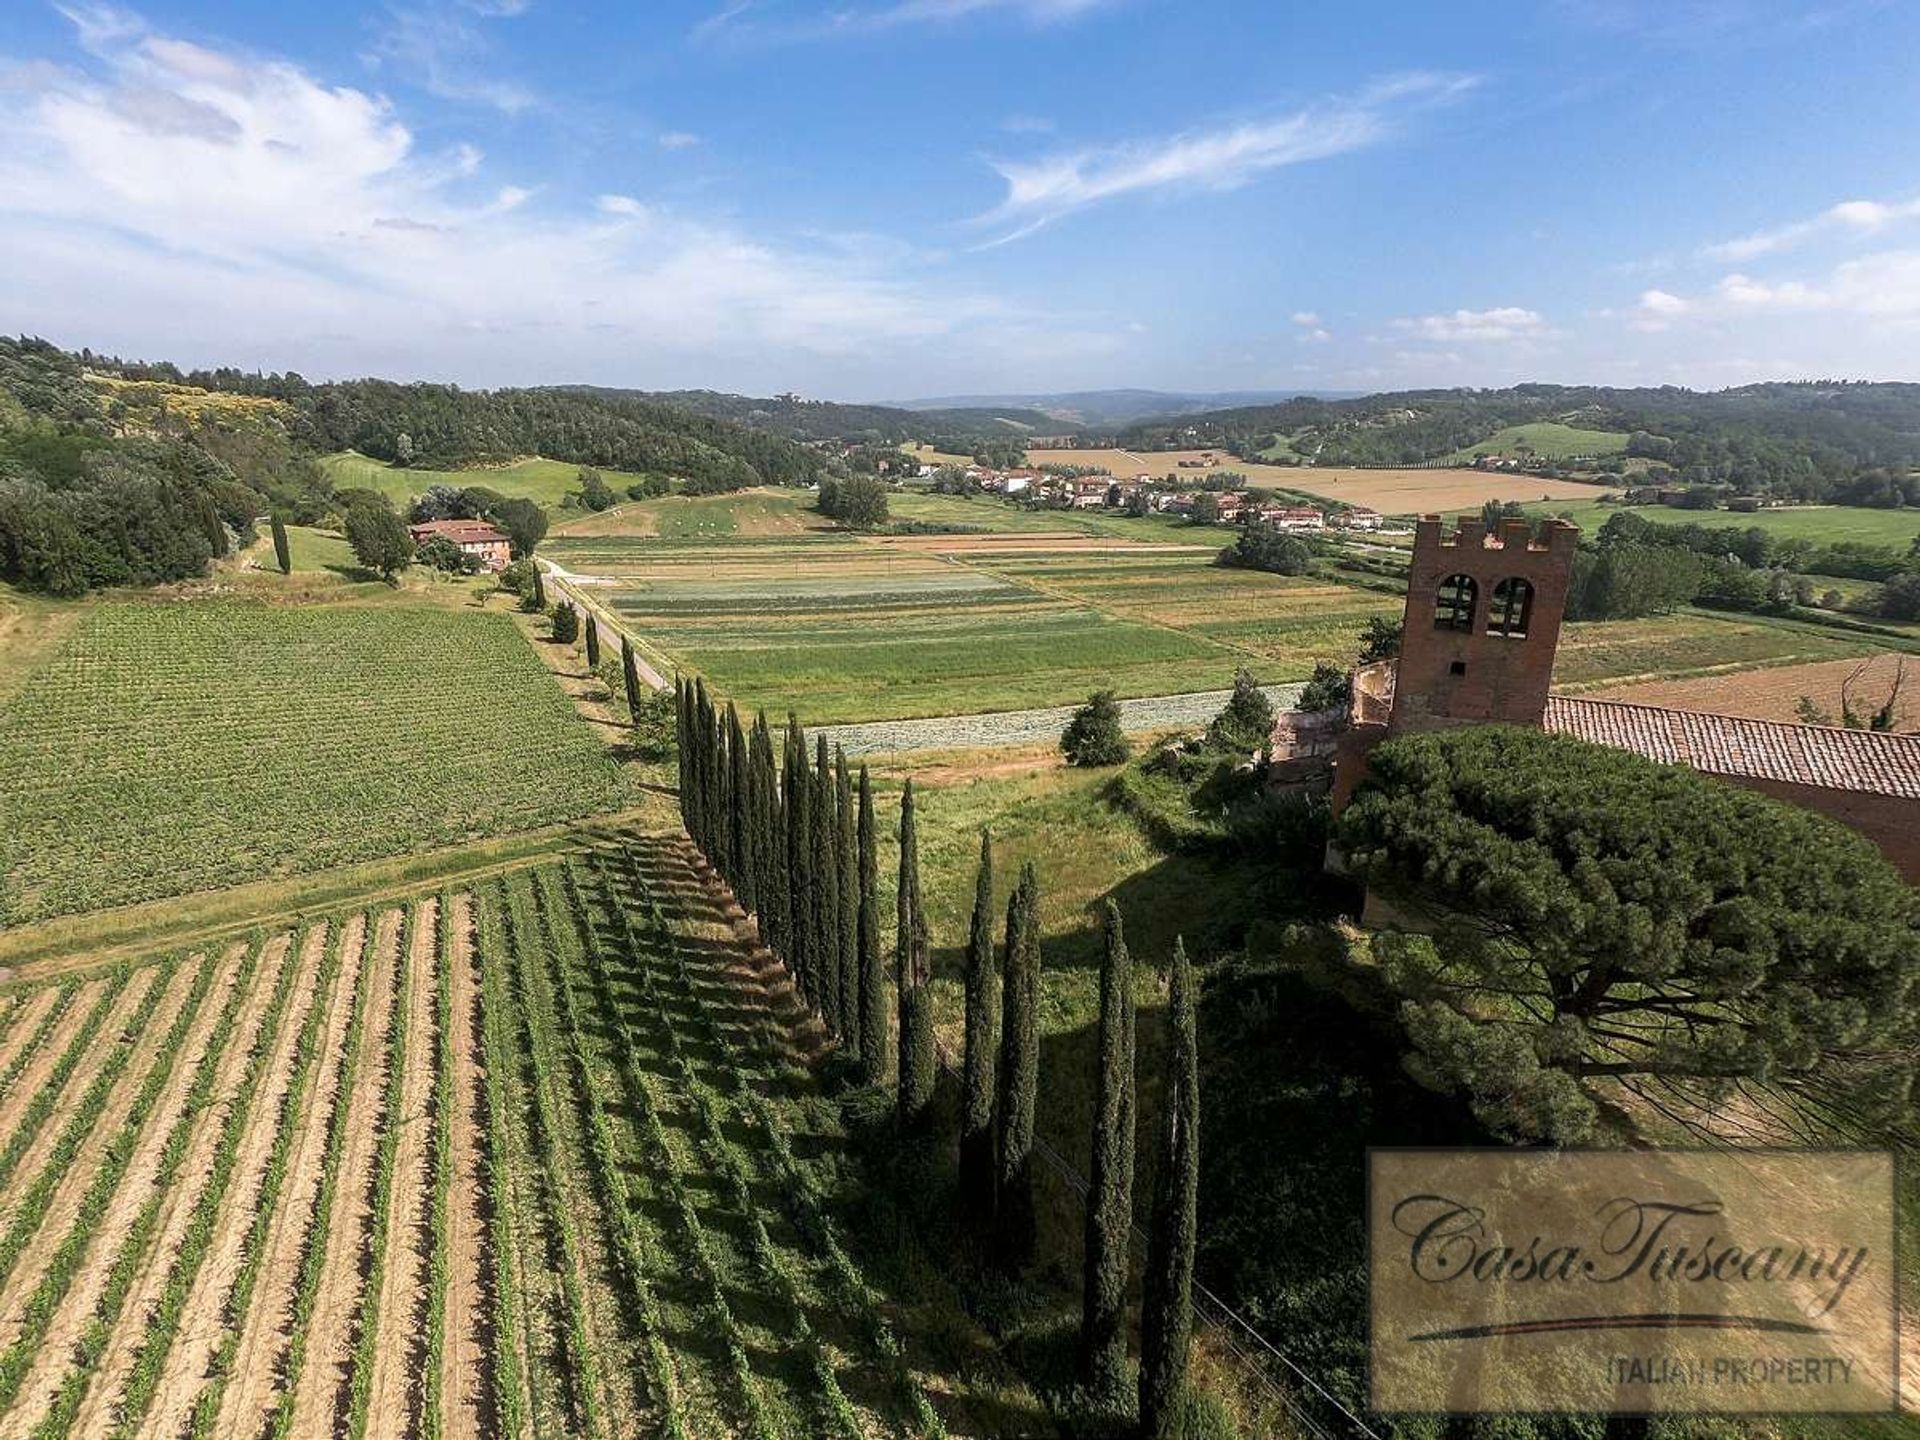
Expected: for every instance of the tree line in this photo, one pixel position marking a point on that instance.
(792, 832)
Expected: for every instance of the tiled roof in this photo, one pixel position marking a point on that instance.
(1859, 760)
(460, 532)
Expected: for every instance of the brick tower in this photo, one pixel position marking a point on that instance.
(1477, 642)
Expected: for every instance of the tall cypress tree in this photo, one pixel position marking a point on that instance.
(539, 589)
(1166, 1314)
(282, 551)
(630, 672)
(982, 1038)
(826, 885)
(772, 855)
(683, 736)
(699, 770)
(1019, 1073)
(593, 639)
(846, 865)
(740, 809)
(911, 975)
(873, 979)
(1103, 1330)
(720, 804)
(799, 863)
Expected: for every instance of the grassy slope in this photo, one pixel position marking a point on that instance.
(1549, 439)
(1822, 523)
(546, 482)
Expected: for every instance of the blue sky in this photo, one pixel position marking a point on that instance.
(873, 199)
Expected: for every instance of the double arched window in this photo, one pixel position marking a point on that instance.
(1512, 608)
(1454, 605)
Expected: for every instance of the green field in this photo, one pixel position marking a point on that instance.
(545, 482)
(1548, 439)
(174, 747)
(1823, 524)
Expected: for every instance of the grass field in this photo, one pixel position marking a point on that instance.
(524, 1158)
(756, 512)
(1548, 439)
(173, 747)
(1825, 524)
(545, 482)
(1688, 643)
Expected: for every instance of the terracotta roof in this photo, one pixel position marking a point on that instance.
(1859, 760)
(460, 532)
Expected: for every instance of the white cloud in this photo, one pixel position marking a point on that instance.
(438, 46)
(1855, 217)
(677, 139)
(181, 199)
(1309, 330)
(1658, 309)
(768, 22)
(1044, 190)
(1306, 318)
(1885, 284)
(1506, 322)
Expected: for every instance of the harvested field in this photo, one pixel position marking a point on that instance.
(1775, 692)
(1682, 644)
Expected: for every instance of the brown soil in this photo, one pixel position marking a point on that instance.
(204, 1322)
(1772, 694)
(397, 1379)
(26, 1021)
(466, 1356)
(330, 1332)
(14, 1104)
(263, 1336)
(136, 1188)
(73, 1185)
(110, 1377)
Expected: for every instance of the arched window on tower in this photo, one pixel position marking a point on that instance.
(1453, 607)
(1512, 608)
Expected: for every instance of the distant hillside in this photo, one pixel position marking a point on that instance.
(1108, 409)
(801, 419)
(1853, 442)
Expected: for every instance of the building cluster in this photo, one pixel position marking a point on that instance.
(1105, 491)
(470, 537)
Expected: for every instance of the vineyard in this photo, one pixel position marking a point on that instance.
(170, 748)
(538, 1158)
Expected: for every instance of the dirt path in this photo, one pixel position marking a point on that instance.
(397, 1377)
(130, 1331)
(204, 1321)
(330, 1330)
(136, 1188)
(123, 1018)
(263, 1335)
(13, 1105)
(466, 1356)
(72, 1187)
(26, 1020)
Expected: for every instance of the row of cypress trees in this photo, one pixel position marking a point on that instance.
(798, 848)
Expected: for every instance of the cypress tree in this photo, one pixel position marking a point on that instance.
(911, 976)
(873, 980)
(696, 764)
(826, 890)
(1166, 1314)
(630, 672)
(539, 589)
(846, 865)
(683, 738)
(739, 809)
(772, 855)
(593, 641)
(720, 793)
(1103, 1331)
(977, 1076)
(799, 861)
(282, 554)
(1019, 1072)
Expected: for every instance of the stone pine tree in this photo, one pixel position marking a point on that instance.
(982, 1038)
(1166, 1315)
(826, 891)
(1103, 1330)
(911, 976)
(846, 865)
(593, 642)
(282, 552)
(740, 809)
(873, 980)
(1019, 1075)
(799, 861)
(630, 672)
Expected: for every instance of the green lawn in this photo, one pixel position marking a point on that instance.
(1549, 439)
(546, 482)
(1824, 524)
(170, 747)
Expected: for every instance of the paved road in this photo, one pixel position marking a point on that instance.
(1029, 727)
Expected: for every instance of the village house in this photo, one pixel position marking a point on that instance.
(470, 537)
(1089, 492)
(1231, 505)
(1295, 517)
(1359, 517)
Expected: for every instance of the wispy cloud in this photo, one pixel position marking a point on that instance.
(1849, 217)
(770, 22)
(1044, 190)
(1506, 322)
(441, 46)
(677, 140)
(1309, 329)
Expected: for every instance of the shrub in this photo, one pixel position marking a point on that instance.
(653, 725)
(1264, 547)
(1093, 736)
(1246, 722)
(566, 623)
(517, 577)
(1330, 687)
(440, 553)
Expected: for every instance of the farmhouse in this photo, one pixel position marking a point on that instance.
(471, 537)
(1358, 517)
(1481, 626)
(1293, 517)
